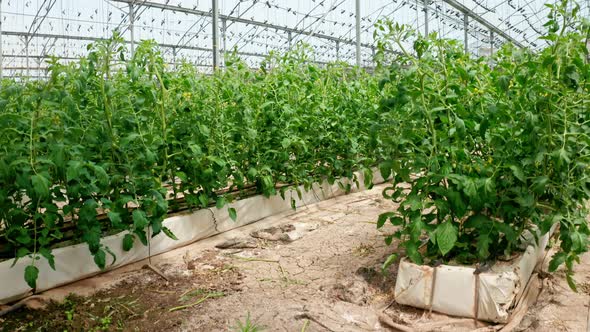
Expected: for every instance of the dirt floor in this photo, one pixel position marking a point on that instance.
(314, 269)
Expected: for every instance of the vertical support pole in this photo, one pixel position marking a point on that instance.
(465, 26)
(338, 50)
(174, 57)
(426, 18)
(215, 18)
(358, 32)
(132, 28)
(289, 38)
(491, 42)
(224, 39)
(1, 50)
(27, 56)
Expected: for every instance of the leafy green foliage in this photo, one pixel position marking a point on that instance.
(31, 274)
(104, 145)
(490, 148)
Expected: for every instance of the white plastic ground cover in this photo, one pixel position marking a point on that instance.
(75, 262)
(451, 290)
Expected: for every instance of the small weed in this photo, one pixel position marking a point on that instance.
(247, 326)
(364, 250)
(71, 309)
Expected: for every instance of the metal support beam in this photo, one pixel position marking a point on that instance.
(39, 68)
(27, 40)
(1, 49)
(426, 18)
(132, 28)
(244, 21)
(86, 38)
(338, 50)
(466, 31)
(174, 56)
(224, 39)
(491, 43)
(289, 38)
(358, 31)
(215, 25)
(482, 21)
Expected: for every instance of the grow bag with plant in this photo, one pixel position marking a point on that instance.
(484, 151)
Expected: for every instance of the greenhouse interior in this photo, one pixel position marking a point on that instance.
(313, 165)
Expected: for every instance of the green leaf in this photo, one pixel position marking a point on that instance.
(396, 221)
(456, 203)
(31, 275)
(389, 240)
(385, 169)
(142, 236)
(232, 213)
(571, 282)
(114, 217)
(579, 241)
(383, 218)
(139, 219)
(518, 173)
(390, 260)
(539, 184)
(469, 188)
(46, 252)
(128, 241)
(100, 259)
(169, 233)
(24, 237)
(479, 222)
(483, 245)
(556, 261)
(413, 253)
(220, 202)
(446, 236)
(489, 186)
(203, 199)
(40, 185)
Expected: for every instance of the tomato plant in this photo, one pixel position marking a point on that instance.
(112, 144)
(487, 151)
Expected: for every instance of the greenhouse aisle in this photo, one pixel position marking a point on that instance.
(314, 269)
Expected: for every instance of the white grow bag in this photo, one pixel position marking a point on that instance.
(75, 262)
(452, 290)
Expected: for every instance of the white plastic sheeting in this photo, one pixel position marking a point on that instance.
(452, 290)
(75, 262)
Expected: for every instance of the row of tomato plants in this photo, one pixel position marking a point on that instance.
(492, 148)
(123, 136)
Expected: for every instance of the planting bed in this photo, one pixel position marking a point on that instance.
(318, 267)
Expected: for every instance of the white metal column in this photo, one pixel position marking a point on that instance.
(215, 18)
(465, 26)
(1, 49)
(358, 32)
(174, 56)
(224, 39)
(132, 28)
(27, 40)
(426, 18)
(491, 42)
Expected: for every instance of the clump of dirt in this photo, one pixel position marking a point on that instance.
(352, 291)
(281, 233)
(143, 300)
